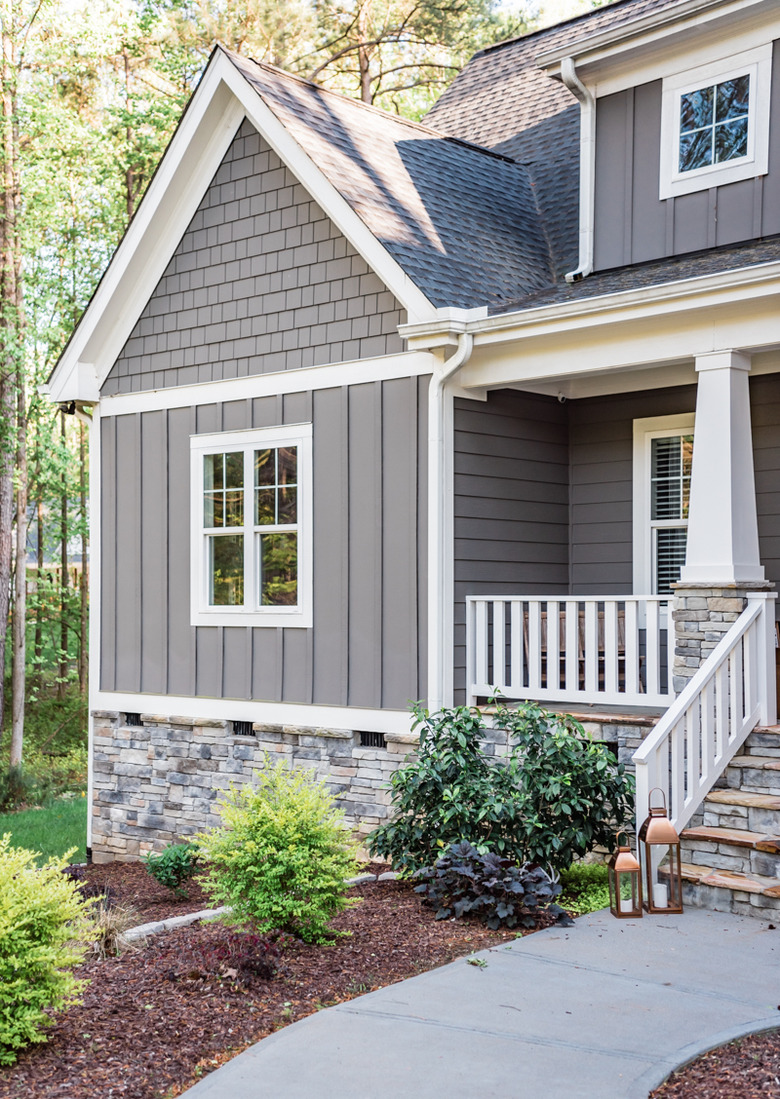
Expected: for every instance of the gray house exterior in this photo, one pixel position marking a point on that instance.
(374, 405)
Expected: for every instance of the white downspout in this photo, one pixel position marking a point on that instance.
(93, 449)
(587, 167)
(440, 547)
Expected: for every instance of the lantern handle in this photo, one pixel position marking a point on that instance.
(623, 832)
(650, 798)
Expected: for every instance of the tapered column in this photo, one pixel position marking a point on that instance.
(722, 543)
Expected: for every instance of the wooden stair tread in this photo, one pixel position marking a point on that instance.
(738, 837)
(744, 798)
(728, 879)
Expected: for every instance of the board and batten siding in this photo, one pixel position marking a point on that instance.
(367, 646)
(511, 502)
(261, 281)
(632, 225)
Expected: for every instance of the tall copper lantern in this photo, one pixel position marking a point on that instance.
(659, 853)
(625, 883)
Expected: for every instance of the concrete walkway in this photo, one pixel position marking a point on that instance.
(602, 1010)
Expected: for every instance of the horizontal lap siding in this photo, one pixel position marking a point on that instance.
(367, 645)
(511, 502)
(632, 225)
(261, 281)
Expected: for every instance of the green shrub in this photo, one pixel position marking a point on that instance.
(550, 800)
(42, 778)
(281, 855)
(465, 882)
(176, 865)
(585, 887)
(41, 916)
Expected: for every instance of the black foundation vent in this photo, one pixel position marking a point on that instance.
(133, 719)
(372, 740)
(242, 728)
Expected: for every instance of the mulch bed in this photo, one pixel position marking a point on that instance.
(158, 1017)
(746, 1069)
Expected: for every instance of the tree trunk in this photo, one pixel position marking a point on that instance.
(364, 57)
(63, 674)
(38, 642)
(20, 577)
(83, 646)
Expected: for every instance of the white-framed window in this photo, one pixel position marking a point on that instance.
(251, 509)
(715, 123)
(663, 455)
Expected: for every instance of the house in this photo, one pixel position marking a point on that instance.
(384, 411)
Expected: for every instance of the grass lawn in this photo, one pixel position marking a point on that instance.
(51, 830)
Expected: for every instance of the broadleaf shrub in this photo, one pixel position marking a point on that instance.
(174, 866)
(42, 919)
(243, 955)
(549, 800)
(281, 855)
(465, 882)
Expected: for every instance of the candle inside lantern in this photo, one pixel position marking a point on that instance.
(627, 905)
(660, 896)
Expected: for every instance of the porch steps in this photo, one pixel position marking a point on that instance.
(732, 847)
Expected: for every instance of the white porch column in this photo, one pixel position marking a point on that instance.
(722, 519)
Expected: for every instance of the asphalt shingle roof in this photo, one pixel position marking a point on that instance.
(462, 222)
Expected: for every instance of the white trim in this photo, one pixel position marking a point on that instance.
(273, 713)
(215, 112)
(251, 614)
(406, 364)
(95, 641)
(757, 64)
(645, 430)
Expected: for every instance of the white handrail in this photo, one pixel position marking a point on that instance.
(709, 721)
(595, 649)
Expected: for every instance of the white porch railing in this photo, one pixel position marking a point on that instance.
(731, 693)
(609, 650)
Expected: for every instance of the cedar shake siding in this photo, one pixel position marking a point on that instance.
(632, 225)
(367, 646)
(261, 281)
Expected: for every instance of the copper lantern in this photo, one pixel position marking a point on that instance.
(625, 883)
(659, 853)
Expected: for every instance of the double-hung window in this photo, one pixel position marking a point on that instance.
(663, 455)
(251, 548)
(715, 123)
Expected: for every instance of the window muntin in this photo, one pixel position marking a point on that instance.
(251, 527)
(714, 124)
(670, 483)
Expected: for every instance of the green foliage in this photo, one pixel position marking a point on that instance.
(174, 866)
(281, 855)
(52, 830)
(551, 799)
(585, 887)
(466, 882)
(42, 778)
(574, 794)
(41, 916)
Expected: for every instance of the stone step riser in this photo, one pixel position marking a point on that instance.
(729, 856)
(762, 743)
(751, 819)
(753, 779)
(730, 900)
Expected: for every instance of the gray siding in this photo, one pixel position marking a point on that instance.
(261, 281)
(633, 225)
(765, 416)
(511, 502)
(367, 645)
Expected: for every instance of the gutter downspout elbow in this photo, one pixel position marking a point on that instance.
(587, 167)
(440, 611)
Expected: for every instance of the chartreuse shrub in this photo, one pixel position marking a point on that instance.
(174, 866)
(465, 882)
(585, 887)
(42, 917)
(281, 855)
(551, 798)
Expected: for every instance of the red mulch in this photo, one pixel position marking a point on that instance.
(746, 1069)
(158, 1017)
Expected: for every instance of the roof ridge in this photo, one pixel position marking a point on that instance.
(593, 12)
(320, 88)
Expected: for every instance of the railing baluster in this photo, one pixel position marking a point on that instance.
(721, 708)
(737, 704)
(572, 645)
(674, 784)
(480, 641)
(652, 639)
(534, 644)
(516, 649)
(553, 645)
(632, 648)
(708, 725)
(498, 679)
(591, 646)
(611, 647)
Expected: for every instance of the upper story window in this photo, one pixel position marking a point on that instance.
(715, 123)
(251, 527)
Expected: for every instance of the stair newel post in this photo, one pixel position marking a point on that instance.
(766, 635)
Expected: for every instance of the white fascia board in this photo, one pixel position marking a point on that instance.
(273, 713)
(409, 364)
(219, 105)
(651, 28)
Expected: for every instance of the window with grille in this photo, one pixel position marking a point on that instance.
(670, 485)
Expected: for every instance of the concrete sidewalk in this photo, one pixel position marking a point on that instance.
(602, 1010)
